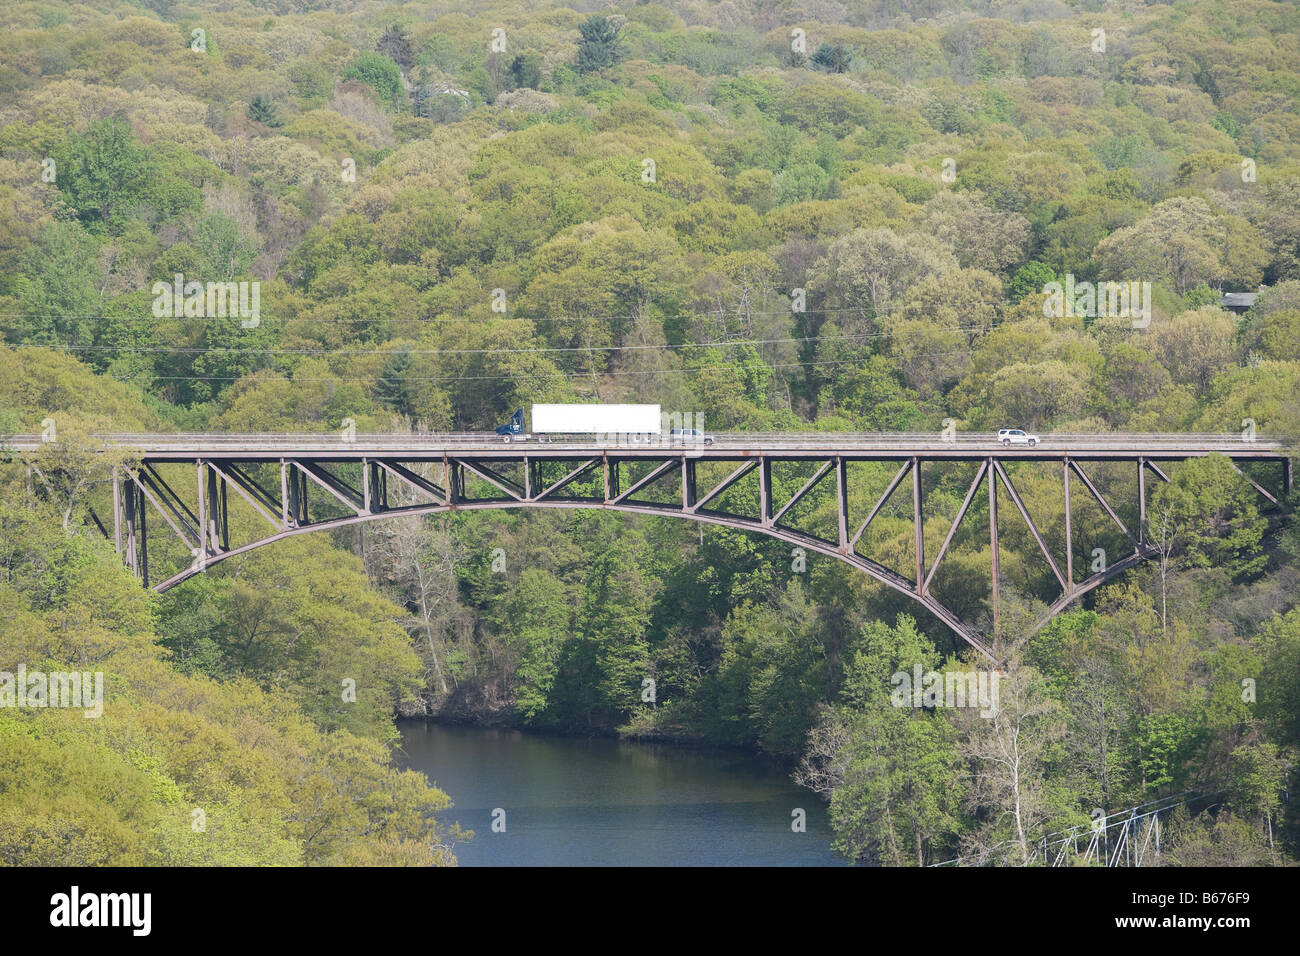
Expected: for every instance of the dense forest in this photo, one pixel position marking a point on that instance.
(780, 216)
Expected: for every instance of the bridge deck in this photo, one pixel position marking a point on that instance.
(730, 445)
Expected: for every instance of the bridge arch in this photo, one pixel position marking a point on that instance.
(238, 463)
(876, 571)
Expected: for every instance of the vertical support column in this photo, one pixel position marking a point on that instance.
(117, 510)
(1142, 501)
(284, 493)
(218, 527)
(528, 477)
(378, 488)
(132, 552)
(842, 502)
(1288, 476)
(688, 482)
(365, 485)
(455, 483)
(295, 505)
(295, 502)
(918, 525)
(201, 557)
(141, 509)
(610, 476)
(993, 536)
(1069, 538)
(765, 490)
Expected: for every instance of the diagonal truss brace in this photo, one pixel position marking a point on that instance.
(956, 522)
(654, 475)
(727, 482)
(568, 479)
(1101, 500)
(1033, 528)
(808, 486)
(898, 478)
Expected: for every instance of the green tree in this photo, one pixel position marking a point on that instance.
(103, 173)
(1010, 755)
(1212, 518)
(379, 73)
(1029, 280)
(1260, 773)
(262, 110)
(893, 773)
(395, 45)
(800, 183)
(393, 387)
(601, 45)
(526, 70)
(538, 621)
(833, 58)
(773, 673)
(600, 668)
(57, 288)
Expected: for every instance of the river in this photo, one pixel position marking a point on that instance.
(572, 801)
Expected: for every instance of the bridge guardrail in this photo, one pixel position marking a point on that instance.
(721, 441)
(896, 437)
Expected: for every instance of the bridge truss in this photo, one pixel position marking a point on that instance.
(303, 483)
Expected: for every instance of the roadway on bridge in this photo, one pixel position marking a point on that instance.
(725, 445)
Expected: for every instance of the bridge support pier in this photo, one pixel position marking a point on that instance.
(993, 537)
(1142, 502)
(117, 511)
(137, 548)
(1069, 535)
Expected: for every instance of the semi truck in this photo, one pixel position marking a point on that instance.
(551, 421)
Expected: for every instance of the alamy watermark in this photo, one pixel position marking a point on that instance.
(1113, 299)
(677, 430)
(973, 688)
(54, 689)
(75, 908)
(208, 300)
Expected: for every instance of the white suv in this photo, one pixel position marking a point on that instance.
(1014, 436)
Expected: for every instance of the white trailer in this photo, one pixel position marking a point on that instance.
(597, 419)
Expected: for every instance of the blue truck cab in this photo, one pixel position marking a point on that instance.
(513, 427)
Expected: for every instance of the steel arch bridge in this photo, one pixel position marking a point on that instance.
(360, 478)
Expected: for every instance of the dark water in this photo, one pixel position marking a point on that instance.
(581, 802)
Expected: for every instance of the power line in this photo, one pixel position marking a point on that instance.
(481, 378)
(712, 313)
(574, 376)
(200, 350)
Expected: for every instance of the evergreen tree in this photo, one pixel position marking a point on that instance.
(600, 46)
(833, 58)
(394, 45)
(394, 386)
(262, 110)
